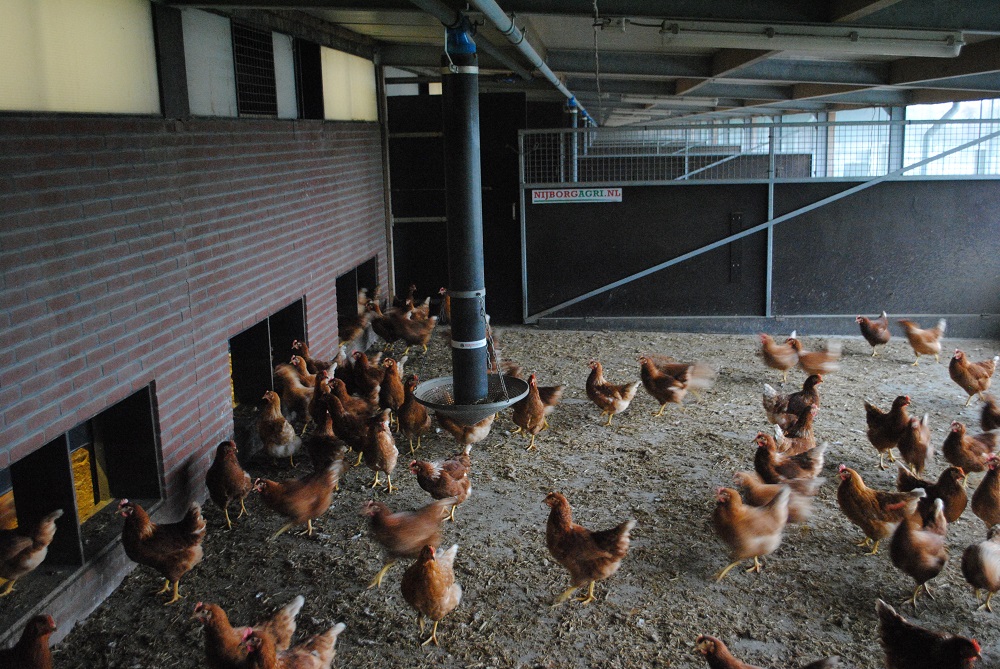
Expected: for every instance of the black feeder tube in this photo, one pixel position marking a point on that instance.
(463, 179)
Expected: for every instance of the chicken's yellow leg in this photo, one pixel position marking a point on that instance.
(229, 523)
(360, 455)
(722, 574)
(166, 586)
(566, 594)
(284, 528)
(986, 604)
(756, 565)
(375, 483)
(309, 529)
(433, 637)
(388, 479)
(590, 594)
(865, 542)
(874, 548)
(531, 444)
(452, 515)
(9, 588)
(660, 412)
(243, 510)
(610, 416)
(177, 595)
(377, 581)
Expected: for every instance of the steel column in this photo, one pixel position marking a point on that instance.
(464, 204)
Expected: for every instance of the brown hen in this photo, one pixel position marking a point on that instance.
(173, 549)
(885, 429)
(924, 342)
(429, 586)
(302, 499)
(32, 650)
(970, 452)
(781, 357)
(972, 377)
(874, 330)
(224, 643)
(447, 478)
(918, 547)
(609, 397)
(404, 533)
(21, 551)
(981, 566)
(226, 481)
(588, 556)
(909, 646)
(876, 512)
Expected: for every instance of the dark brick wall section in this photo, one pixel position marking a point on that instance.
(131, 249)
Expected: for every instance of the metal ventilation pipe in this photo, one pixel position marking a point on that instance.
(505, 25)
(464, 203)
(451, 18)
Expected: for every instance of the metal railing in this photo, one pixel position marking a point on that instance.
(729, 152)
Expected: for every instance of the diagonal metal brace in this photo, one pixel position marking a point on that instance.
(534, 318)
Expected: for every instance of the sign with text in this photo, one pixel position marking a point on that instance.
(576, 195)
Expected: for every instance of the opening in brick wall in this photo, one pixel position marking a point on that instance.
(350, 313)
(253, 354)
(81, 472)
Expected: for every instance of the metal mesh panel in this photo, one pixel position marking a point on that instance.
(253, 53)
(758, 151)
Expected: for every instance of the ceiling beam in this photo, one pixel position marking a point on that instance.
(936, 95)
(849, 11)
(725, 61)
(980, 58)
(630, 63)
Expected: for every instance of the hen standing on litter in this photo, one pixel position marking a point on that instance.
(874, 330)
(610, 398)
(588, 556)
(429, 586)
(227, 481)
(173, 549)
(22, 551)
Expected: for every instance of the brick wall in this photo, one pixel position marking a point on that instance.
(132, 249)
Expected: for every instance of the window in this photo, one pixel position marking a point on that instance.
(83, 471)
(348, 87)
(77, 57)
(253, 56)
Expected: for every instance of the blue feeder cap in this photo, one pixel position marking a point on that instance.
(459, 40)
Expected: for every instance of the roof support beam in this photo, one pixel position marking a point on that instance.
(849, 11)
(980, 58)
(726, 61)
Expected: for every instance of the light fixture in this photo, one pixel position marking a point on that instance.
(827, 39)
(687, 101)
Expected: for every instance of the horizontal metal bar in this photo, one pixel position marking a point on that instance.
(414, 135)
(757, 228)
(797, 180)
(664, 128)
(419, 219)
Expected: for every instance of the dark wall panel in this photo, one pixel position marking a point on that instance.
(929, 247)
(919, 247)
(575, 248)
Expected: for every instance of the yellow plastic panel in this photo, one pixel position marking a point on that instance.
(348, 87)
(78, 56)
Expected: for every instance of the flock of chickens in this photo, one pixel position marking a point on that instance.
(352, 404)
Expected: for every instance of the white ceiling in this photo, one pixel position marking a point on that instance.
(661, 59)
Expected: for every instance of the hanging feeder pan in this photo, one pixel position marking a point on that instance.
(501, 392)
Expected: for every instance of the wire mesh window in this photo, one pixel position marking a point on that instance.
(256, 90)
(748, 151)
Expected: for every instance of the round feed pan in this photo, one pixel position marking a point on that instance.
(439, 394)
